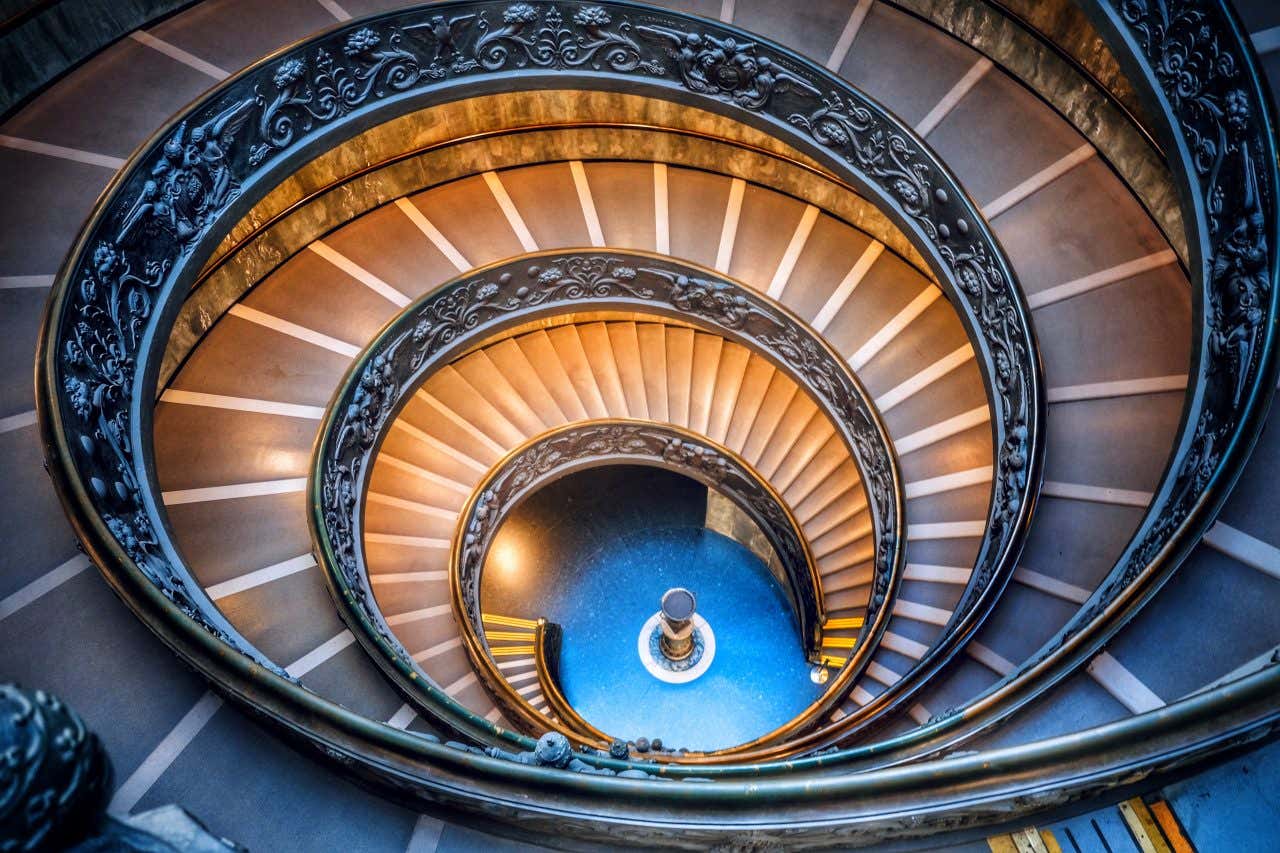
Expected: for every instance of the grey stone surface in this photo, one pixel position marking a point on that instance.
(247, 785)
(36, 535)
(85, 646)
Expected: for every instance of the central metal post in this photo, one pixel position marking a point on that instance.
(676, 642)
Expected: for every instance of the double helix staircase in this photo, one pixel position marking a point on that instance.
(1062, 163)
(520, 388)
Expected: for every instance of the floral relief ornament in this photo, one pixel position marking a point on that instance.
(193, 178)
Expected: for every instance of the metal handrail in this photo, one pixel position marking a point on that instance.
(120, 288)
(444, 323)
(1201, 78)
(1221, 140)
(546, 653)
(615, 441)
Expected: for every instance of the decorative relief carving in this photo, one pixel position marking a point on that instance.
(864, 138)
(979, 276)
(1190, 49)
(431, 330)
(142, 241)
(327, 88)
(726, 67)
(538, 35)
(179, 191)
(54, 773)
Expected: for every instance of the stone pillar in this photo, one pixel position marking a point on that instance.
(677, 623)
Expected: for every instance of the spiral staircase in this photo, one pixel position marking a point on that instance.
(968, 307)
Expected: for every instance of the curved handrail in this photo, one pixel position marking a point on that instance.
(1203, 83)
(585, 444)
(442, 324)
(538, 641)
(141, 249)
(118, 521)
(1214, 107)
(546, 654)
(117, 293)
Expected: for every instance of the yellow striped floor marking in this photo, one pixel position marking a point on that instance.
(506, 651)
(509, 621)
(1002, 844)
(1028, 840)
(508, 635)
(1143, 826)
(1171, 828)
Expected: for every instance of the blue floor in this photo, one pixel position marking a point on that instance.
(758, 680)
(602, 548)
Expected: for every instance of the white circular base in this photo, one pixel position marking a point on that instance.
(685, 676)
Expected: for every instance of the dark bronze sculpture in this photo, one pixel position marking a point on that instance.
(54, 780)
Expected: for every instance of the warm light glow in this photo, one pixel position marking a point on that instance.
(285, 461)
(504, 559)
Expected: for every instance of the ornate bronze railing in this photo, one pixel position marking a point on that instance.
(1201, 81)
(116, 296)
(1202, 85)
(443, 324)
(163, 215)
(579, 446)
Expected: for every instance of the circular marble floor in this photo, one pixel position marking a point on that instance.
(758, 679)
(594, 552)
